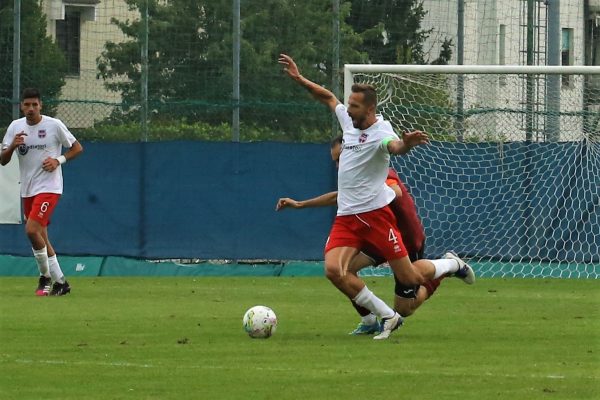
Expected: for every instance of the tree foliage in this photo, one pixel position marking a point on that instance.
(190, 56)
(391, 31)
(42, 63)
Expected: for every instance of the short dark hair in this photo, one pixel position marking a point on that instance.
(368, 91)
(31, 93)
(336, 140)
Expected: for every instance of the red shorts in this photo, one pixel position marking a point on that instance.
(40, 207)
(374, 232)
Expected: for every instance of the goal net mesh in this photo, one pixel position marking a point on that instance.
(511, 179)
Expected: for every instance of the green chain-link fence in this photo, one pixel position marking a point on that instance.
(162, 70)
(166, 69)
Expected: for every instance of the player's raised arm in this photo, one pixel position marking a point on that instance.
(409, 140)
(324, 200)
(319, 92)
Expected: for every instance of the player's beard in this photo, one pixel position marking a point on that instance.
(32, 118)
(358, 123)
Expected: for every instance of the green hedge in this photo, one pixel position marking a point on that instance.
(181, 130)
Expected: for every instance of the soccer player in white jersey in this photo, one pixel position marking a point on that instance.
(407, 299)
(38, 140)
(364, 220)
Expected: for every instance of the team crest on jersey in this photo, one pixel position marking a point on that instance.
(363, 138)
(42, 133)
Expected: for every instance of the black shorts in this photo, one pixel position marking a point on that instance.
(404, 291)
(409, 292)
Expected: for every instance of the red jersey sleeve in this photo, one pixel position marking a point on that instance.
(392, 178)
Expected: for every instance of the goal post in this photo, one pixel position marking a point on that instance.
(511, 179)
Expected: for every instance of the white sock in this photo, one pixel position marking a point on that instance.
(55, 271)
(368, 319)
(41, 258)
(368, 300)
(444, 266)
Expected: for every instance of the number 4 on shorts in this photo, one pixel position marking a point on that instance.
(392, 237)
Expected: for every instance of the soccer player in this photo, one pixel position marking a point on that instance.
(364, 221)
(407, 298)
(38, 140)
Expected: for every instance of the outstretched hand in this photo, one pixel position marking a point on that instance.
(286, 202)
(415, 138)
(289, 66)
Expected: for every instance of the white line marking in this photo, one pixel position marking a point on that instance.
(126, 364)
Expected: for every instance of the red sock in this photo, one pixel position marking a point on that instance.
(432, 285)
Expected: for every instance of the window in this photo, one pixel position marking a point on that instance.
(566, 50)
(68, 37)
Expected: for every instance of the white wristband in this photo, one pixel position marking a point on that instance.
(61, 159)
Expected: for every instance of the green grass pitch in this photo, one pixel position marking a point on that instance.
(181, 338)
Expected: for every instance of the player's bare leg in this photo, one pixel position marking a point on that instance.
(421, 271)
(49, 247)
(368, 324)
(338, 260)
(337, 263)
(405, 306)
(34, 231)
(412, 274)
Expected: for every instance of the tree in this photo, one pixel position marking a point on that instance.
(190, 60)
(42, 63)
(391, 31)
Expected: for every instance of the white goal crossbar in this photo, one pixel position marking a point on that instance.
(351, 69)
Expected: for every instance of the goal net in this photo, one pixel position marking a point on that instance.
(511, 179)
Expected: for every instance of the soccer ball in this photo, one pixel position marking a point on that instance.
(260, 322)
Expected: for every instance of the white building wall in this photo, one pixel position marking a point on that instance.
(88, 100)
(482, 20)
(481, 46)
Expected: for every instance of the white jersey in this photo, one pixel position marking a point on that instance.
(43, 140)
(364, 165)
